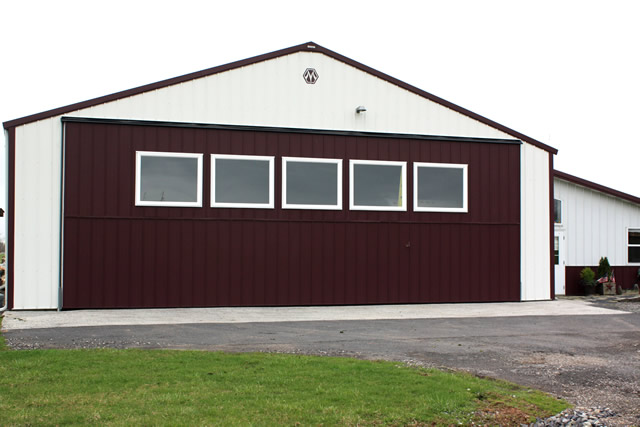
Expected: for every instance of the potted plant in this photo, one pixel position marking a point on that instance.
(587, 279)
(606, 280)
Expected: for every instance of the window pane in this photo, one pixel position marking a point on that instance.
(241, 181)
(440, 187)
(634, 253)
(377, 185)
(168, 179)
(634, 237)
(557, 211)
(310, 183)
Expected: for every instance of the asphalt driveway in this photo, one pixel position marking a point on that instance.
(573, 349)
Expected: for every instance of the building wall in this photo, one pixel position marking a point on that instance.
(121, 255)
(536, 251)
(37, 219)
(269, 93)
(595, 224)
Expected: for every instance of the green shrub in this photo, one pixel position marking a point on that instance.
(587, 276)
(604, 269)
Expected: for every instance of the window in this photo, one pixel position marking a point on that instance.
(634, 246)
(557, 211)
(241, 181)
(168, 179)
(439, 187)
(377, 185)
(311, 183)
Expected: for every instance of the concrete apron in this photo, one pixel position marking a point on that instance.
(14, 320)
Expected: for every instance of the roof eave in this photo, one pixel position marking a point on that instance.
(438, 100)
(151, 86)
(597, 187)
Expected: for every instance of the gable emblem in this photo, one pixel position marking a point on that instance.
(310, 76)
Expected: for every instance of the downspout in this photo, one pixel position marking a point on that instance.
(4, 288)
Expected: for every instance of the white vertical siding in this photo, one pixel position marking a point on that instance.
(595, 224)
(535, 225)
(37, 215)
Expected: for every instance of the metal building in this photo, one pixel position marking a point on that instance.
(594, 221)
(298, 177)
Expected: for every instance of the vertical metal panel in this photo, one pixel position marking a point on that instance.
(535, 249)
(121, 255)
(595, 223)
(36, 219)
(341, 262)
(223, 262)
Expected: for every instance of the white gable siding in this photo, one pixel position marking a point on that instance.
(273, 93)
(270, 93)
(595, 224)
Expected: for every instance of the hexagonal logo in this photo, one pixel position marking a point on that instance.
(310, 76)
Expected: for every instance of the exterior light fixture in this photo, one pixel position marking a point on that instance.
(360, 109)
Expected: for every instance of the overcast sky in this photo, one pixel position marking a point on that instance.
(564, 72)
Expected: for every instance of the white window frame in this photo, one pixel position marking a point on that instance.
(465, 186)
(140, 202)
(354, 207)
(337, 162)
(631, 245)
(268, 205)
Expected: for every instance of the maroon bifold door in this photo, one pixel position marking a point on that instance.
(126, 244)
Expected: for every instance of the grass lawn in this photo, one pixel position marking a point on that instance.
(145, 387)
